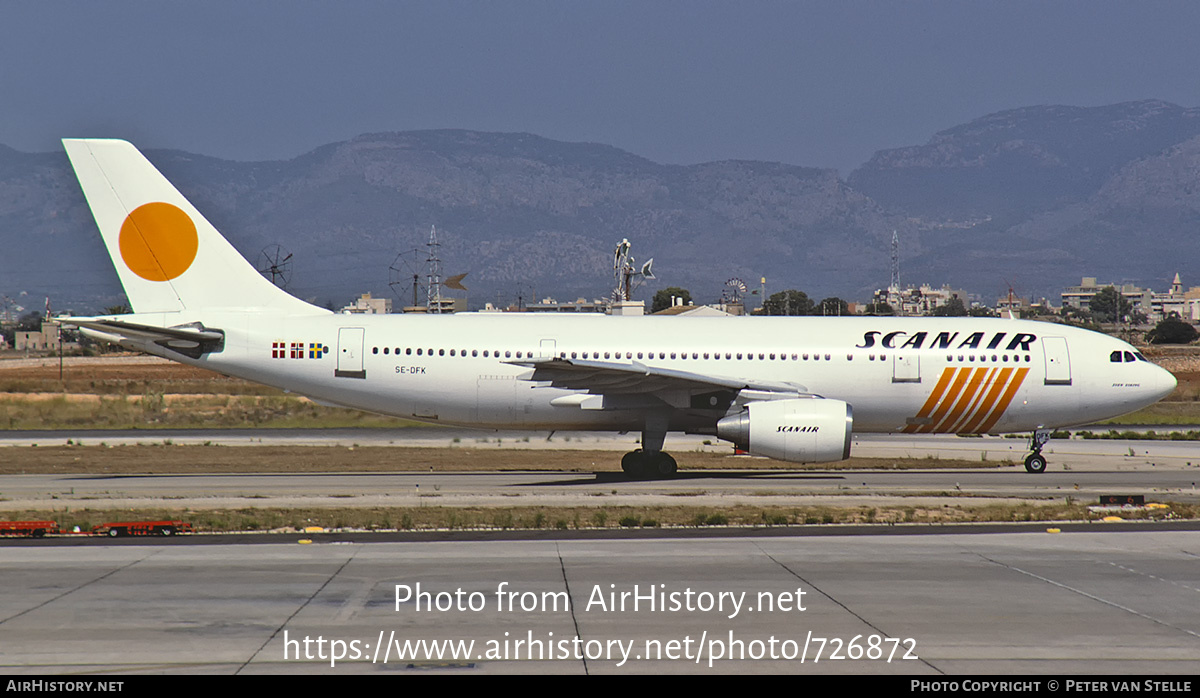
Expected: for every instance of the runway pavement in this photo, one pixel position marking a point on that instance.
(1080, 469)
(1070, 453)
(1017, 604)
(511, 489)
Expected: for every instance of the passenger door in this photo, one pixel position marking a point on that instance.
(906, 367)
(1058, 361)
(350, 353)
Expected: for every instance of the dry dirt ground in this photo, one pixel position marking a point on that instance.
(131, 374)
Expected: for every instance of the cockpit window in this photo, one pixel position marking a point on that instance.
(1129, 357)
(1139, 356)
(1115, 357)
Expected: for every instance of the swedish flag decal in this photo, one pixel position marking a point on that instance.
(316, 350)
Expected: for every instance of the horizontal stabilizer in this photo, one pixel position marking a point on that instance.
(192, 340)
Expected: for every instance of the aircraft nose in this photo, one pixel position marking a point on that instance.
(1164, 383)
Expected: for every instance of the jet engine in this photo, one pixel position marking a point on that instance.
(800, 430)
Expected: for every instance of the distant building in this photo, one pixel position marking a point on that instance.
(579, 305)
(636, 308)
(731, 307)
(1192, 297)
(1080, 297)
(1185, 304)
(445, 305)
(693, 311)
(1018, 306)
(45, 339)
(366, 305)
(1155, 306)
(920, 300)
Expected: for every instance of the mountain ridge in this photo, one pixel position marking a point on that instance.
(1035, 196)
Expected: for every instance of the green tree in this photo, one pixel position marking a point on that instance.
(662, 299)
(951, 308)
(880, 308)
(981, 311)
(30, 322)
(1108, 305)
(120, 309)
(1172, 331)
(789, 302)
(833, 306)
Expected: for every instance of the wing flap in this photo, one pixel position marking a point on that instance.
(618, 378)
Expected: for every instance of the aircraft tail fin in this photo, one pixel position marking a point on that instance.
(168, 256)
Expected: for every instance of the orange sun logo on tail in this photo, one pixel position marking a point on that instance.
(158, 241)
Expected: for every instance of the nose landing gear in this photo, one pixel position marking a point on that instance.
(1035, 462)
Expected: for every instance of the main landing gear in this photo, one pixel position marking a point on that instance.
(647, 465)
(1035, 462)
(650, 461)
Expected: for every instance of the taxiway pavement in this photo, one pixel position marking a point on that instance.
(1021, 603)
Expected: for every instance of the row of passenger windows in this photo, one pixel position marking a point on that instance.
(732, 356)
(1002, 358)
(728, 356)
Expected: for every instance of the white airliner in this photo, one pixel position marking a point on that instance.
(793, 389)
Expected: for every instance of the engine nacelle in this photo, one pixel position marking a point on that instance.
(802, 430)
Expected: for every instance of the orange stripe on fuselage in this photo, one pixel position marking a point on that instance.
(947, 402)
(965, 399)
(943, 381)
(956, 426)
(1003, 404)
(997, 388)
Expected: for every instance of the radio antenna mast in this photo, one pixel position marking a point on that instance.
(624, 272)
(433, 274)
(895, 261)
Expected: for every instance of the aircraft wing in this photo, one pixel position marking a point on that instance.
(612, 379)
(191, 340)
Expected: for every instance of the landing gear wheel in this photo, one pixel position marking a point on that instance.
(1035, 462)
(663, 465)
(642, 465)
(634, 465)
(637, 464)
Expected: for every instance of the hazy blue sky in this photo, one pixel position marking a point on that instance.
(808, 83)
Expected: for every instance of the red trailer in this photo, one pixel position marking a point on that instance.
(142, 528)
(33, 529)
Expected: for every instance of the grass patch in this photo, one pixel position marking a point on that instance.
(156, 410)
(1161, 413)
(1141, 435)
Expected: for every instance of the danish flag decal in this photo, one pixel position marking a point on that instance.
(296, 350)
